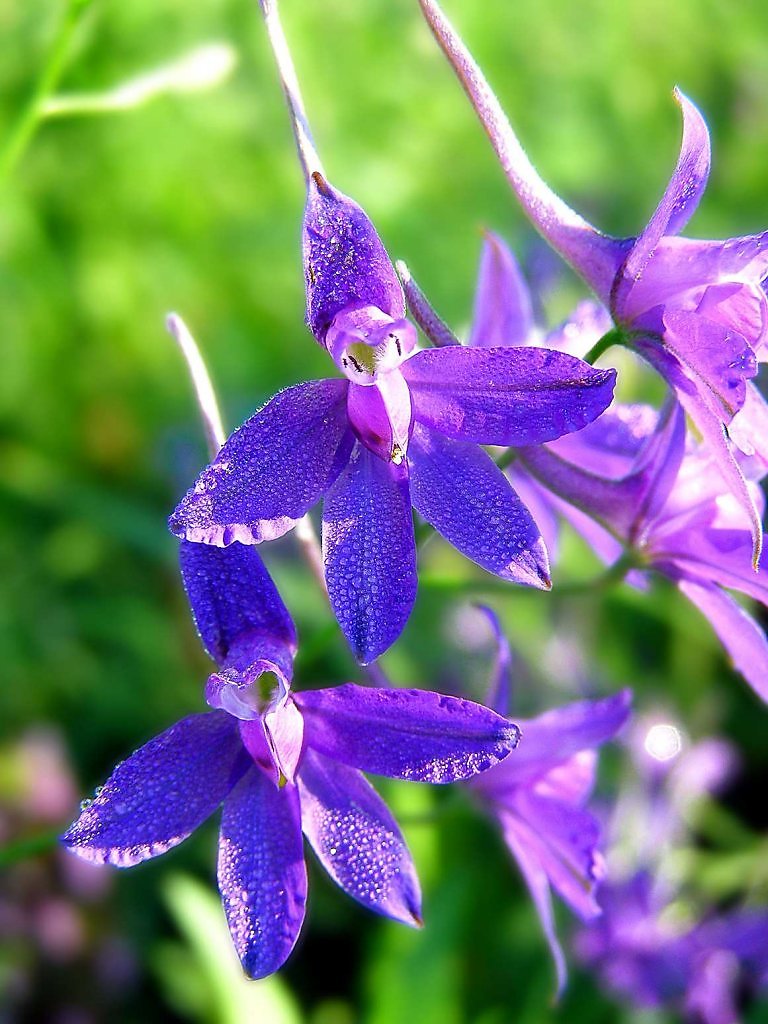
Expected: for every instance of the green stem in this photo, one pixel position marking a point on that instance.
(30, 116)
(613, 337)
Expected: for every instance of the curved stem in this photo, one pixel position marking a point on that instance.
(613, 337)
(305, 146)
(198, 371)
(27, 122)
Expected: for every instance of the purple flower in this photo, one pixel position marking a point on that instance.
(282, 764)
(643, 955)
(632, 481)
(539, 800)
(694, 309)
(403, 429)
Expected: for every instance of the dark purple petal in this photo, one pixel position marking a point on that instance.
(262, 876)
(160, 794)
(677, 205)
(357, 840)
(505, 396)
(738, 632)
(344, 260)
(405, 734)
(503, 313)
(232, 596)
(459, 489)
(515, 835)
(369, 553)
(272, 469)
(592, 254)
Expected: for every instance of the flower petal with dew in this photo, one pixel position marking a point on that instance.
(694, 309)
(282, 763)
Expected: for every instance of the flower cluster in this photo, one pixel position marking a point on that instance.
(404, 426)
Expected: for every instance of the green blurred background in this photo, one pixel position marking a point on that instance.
(193, 202)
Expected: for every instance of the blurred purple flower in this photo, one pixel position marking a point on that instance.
(699, 971)
(403, 429)
(282, 764)
(538, 799)
(694, 309)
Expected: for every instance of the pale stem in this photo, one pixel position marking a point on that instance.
(422, 312)
(308, 155)
(215, 434)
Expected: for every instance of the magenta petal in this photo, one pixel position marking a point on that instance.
(160, 794)
(405, 734)
(344, 260)
(505, 396)
(370, 553)
(739, 634)
(677, 205)
(272, 470)
(515, 836)
(357, 840)
(232, 595)
(593, 255)
(262, 876)
(503, 313)
(459, 489)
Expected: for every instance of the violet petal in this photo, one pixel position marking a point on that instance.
(680, 199)
(503, 314)
(593, 255)
(344, 259)
(505, 396)
(515, 836)
(160, 794)
(272, 470)
(459, 490)
(405, 734)
(232, 594)
(738, 632)
(369, 553)
(262, 875)
(357, 840)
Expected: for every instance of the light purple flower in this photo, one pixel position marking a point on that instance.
(282, 764)
(631, 480)
(402, 429)
(694, 309)
(539, 801)
(697, 970)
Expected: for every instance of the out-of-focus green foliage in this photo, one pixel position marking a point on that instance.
(193, 202)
